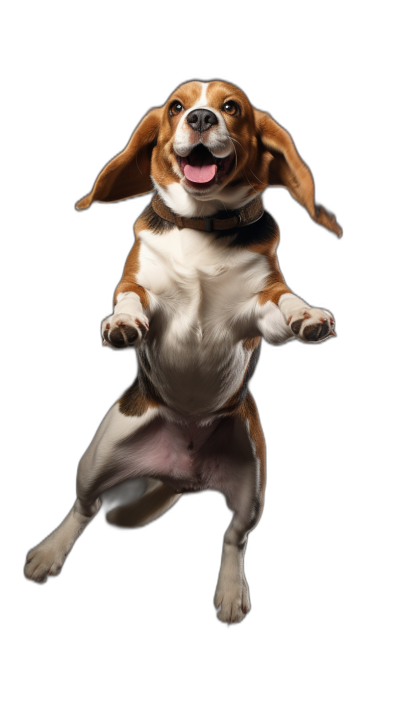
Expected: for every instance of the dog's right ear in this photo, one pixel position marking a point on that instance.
(128, 173)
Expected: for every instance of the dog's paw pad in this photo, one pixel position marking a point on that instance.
(124, 330)
(312, 324)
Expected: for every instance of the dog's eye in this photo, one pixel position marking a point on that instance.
(175, 108)
(231, 108)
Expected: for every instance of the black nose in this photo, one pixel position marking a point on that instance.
(201, 119)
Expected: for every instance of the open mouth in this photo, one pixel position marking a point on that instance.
(202, 169)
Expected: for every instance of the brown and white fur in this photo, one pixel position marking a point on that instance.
(195, 305)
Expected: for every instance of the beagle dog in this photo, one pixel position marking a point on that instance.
(200, 289)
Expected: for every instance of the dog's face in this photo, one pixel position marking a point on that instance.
(207, 136)
(208, 141)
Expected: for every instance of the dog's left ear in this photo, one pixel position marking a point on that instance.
(128, 173)
(286, 168)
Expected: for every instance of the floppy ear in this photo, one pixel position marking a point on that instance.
(286, 168)
(128, 173)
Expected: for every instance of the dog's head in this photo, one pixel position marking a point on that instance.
(208, 143)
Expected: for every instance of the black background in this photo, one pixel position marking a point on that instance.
(157, 583)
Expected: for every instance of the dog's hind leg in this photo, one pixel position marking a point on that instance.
(48, 557)
(242, 480)
(117, 452)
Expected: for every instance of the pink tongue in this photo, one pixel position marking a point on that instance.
(200, 174)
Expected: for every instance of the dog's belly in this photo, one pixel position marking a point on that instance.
(187, 456)
(202, 300)
(195, 377)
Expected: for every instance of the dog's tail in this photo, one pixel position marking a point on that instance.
(147, 500)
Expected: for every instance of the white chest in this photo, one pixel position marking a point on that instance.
(203, 296)
(198, 284)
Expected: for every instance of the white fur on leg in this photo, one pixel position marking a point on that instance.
(232, 598)
(48, 557)
(303, 319)
(289, 303)
(272, 325)
(127, 312)
(244, 493)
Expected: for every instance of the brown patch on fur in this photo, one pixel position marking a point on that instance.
(138, 399)
(263, 237)
(250, 343)
(128, 282)
(275, 285)
(274, 289)
(248, 411)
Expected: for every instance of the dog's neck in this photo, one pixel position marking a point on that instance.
(185, 204)
(220, 221)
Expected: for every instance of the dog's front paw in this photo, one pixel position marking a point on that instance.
(124, 330)
(232, 601)
(312, 324)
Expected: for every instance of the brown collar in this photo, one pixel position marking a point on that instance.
(221, 221)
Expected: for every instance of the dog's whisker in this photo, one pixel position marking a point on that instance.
(256, 177)
(248, 180)
(234, 148)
